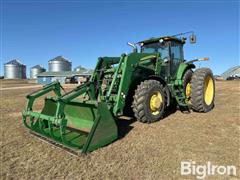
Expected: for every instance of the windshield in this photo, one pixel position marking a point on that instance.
(157, 48)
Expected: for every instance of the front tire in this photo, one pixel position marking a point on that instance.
(149, 101)
(202, 90)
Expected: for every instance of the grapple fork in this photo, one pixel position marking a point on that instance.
(83, 125)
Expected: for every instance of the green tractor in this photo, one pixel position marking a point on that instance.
(145, 83)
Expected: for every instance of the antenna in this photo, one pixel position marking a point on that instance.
(192, 37)
(180, 34)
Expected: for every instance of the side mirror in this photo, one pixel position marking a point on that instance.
(192, 38)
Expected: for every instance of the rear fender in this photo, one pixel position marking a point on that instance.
(183, 67)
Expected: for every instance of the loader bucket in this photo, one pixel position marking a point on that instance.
(85, 126)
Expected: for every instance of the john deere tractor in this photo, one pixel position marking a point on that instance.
(145, 82)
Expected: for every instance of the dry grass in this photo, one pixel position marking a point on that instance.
(5, 83)
(144, 151)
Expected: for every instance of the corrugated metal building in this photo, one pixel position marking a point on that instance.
(48, 77)
(231, 72)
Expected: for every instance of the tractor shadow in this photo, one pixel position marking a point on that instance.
(170, 110)
(124, 123)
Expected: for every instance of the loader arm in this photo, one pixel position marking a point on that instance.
(128, 64)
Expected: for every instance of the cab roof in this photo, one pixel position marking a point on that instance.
(166, 38)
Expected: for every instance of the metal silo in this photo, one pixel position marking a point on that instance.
(79, 69)
(59, 64)
(14, 70)
(36, 70)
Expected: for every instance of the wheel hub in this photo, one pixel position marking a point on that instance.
(188, 90)
(208, 90)
(155, 102)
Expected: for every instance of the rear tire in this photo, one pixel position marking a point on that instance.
(149, 101)
(202, 90)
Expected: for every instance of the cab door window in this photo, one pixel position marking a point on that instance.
(176, 51)
(176, 56)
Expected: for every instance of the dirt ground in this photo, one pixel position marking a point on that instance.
(5, 83)
(144, 151)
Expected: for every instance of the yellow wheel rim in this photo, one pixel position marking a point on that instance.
(155, 102)
(188, 90)
(208, 90)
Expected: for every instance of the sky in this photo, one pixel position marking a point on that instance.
(81, 31)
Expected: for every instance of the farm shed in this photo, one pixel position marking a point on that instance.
(231, 72)
(48, 77)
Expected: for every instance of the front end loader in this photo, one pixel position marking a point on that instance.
(141, 83)
(81, 125)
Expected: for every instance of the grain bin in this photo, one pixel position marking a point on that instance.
(14, 70)
(59, 64)
(80, 69)
(36, 70)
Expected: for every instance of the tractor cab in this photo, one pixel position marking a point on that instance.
(166, 46)
(170, 50)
